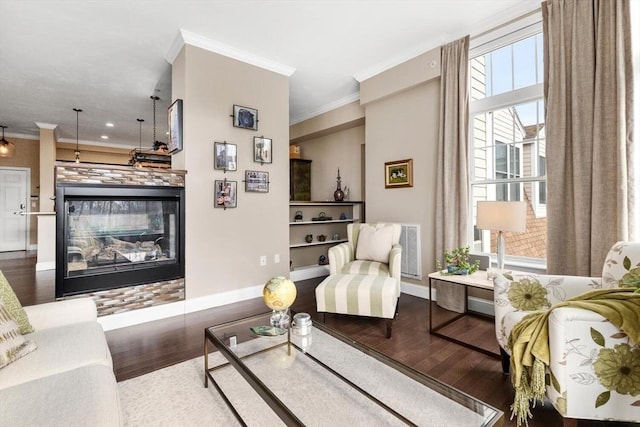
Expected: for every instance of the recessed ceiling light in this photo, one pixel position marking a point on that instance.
(167, 132)
(104, 137)
(109, 125)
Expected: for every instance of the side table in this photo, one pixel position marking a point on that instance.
(476, 280)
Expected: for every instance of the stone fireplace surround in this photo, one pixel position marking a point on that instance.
(126, 298)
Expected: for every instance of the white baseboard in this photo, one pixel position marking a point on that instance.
(135, 317)
(309, 272)
(143, 315)
(149, 314)
(40, 266)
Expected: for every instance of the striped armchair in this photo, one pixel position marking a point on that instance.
(364, 273)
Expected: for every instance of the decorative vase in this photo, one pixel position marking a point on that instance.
(338, 195)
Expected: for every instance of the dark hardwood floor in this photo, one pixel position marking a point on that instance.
(140, 349)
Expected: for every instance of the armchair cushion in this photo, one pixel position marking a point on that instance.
(374, 243)
(366, 268)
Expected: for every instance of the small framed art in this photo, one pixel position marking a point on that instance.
(245, 117)
(225, 156)
(256, 181)
(262, 149)
(398, 174)
(174, 115)
(225, 194)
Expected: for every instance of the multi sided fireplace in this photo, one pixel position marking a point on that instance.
(114, 236)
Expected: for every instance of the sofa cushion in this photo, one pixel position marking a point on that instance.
(59, 350)
(12, 344)
(374, 243)
(10, 300)
(86, 396)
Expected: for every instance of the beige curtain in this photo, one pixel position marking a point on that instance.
(452, 186)
(589, 118)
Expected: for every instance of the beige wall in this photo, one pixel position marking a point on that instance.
(223, 246)
(27, 157)
(93, 154)
(401, 118)
(341, 150)
(405, 126)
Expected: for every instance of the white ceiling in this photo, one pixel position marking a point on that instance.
(109, 57)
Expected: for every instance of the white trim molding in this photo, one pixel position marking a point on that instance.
(187, 37)
(325, 108)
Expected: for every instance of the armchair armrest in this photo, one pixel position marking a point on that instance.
(529, 292)
(339, 256)
(395, 258)
(61, 313)
(577, 339)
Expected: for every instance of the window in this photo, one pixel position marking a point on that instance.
(507, 140)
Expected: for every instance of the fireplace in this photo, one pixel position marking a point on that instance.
(113, 236)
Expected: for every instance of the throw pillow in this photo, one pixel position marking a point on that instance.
(12, 344)
(374, 243)
(10, 300)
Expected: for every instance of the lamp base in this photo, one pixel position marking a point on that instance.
(500, 251)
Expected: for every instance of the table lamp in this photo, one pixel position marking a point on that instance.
(502, 216)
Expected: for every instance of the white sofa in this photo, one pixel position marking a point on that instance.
(68, 380)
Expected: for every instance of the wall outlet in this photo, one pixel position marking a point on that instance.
(276, 259)
(263, 260)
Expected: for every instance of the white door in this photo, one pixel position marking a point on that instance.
(13, 198)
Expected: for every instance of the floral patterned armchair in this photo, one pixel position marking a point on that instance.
(594, 368)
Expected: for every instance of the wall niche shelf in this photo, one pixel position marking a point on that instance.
(304, 255)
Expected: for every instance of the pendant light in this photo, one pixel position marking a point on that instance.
(7, 149)
(78, 111)
(137, 163)
(156, 144)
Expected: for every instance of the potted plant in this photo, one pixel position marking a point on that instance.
(457, 261)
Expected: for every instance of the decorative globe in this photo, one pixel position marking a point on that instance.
(279, 293)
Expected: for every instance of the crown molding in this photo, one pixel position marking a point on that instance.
(22, 136)
(187, 37)
(522, 9)
(46, 125)
(98, 144)
(325, 108)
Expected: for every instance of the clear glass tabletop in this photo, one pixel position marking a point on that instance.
(326, 378)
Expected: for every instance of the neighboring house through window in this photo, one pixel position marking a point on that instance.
(507, 141)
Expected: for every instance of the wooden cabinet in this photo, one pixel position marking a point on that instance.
(328, 219)
(299, 179)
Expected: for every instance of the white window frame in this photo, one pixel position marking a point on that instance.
(480, 45)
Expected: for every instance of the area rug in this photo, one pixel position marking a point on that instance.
(175, 396)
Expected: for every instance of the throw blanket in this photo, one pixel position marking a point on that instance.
(529, 340)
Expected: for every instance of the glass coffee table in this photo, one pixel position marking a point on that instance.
(326, 378)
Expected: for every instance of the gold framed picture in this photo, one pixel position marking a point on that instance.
(398, 174)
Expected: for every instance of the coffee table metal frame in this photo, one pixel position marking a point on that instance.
(476, 280)
(288, 417)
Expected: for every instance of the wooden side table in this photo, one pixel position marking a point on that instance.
(476, 280)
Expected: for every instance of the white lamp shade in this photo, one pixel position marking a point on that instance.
(502, 216)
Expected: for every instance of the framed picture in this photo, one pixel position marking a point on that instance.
(262, 151)
(225, 194)
(256, 181)
(398, 174)
(174, 115)
(224, 156)
(245, 117)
